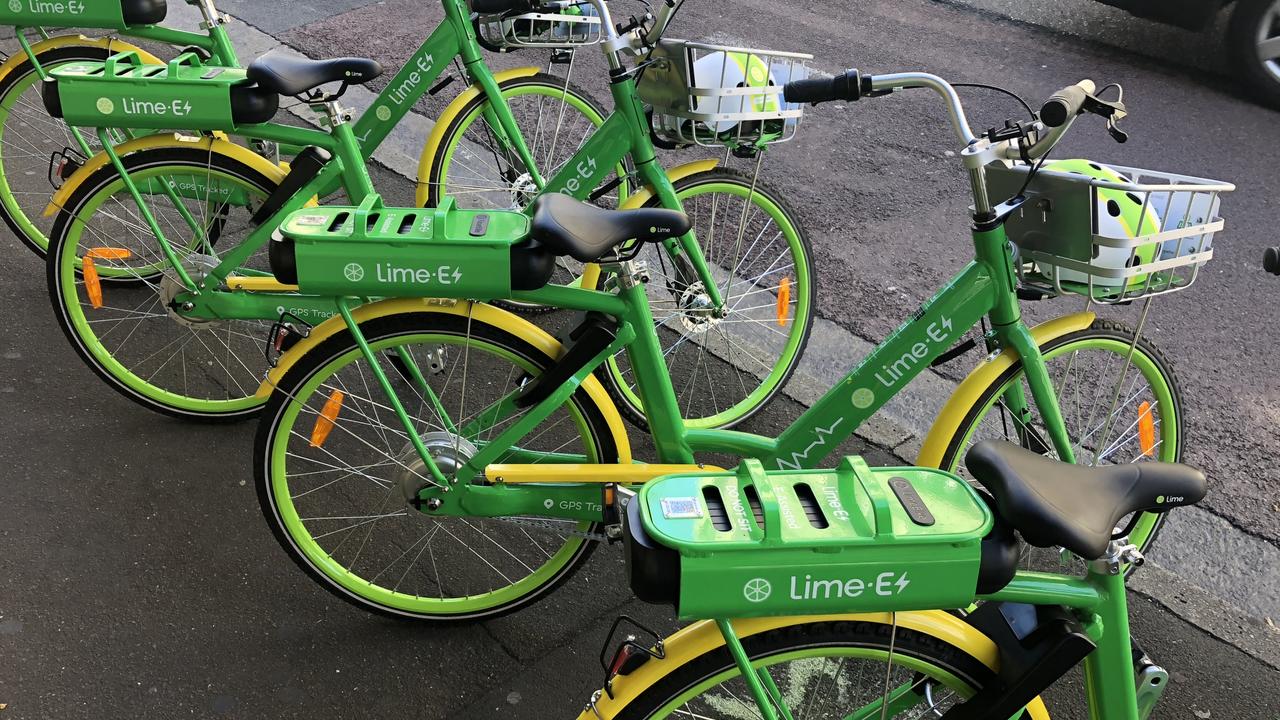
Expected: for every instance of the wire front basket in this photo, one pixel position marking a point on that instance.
(574, 24)
(1113, 234)
(713, 95)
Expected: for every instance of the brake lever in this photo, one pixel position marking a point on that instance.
(1116, 133)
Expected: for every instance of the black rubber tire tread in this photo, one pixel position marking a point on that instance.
(391, 326)
(804, 635)
(1100, 328)
(1242, 45)
(137, 162)
(634, 414)
(66, 53)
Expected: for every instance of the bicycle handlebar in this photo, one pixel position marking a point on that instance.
(846, 86)
(1066, 103)
(1271, 260)
(494, 7)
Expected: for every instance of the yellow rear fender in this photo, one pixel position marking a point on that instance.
(968, 392)
(218, 143)
(446, 120)
(703, 637)
(479, 312)
(61, 41)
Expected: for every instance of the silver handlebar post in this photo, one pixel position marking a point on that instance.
(612, 45)
(662, 19)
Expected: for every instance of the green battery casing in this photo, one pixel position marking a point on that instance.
(107, 14)
(374, 251)
(754, 543)
(123, 92)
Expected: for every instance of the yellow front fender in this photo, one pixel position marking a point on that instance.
(968, 392)
(445, 121)
(218, 143)
(703, 637)
(108, 43)
(479, 312)
(679, 172)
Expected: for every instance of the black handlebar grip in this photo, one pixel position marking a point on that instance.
(495, 7)
(1065, 104)
(1271, 260)
(845, 86)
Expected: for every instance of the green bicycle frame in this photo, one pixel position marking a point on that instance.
(624, 132)
(984, 288)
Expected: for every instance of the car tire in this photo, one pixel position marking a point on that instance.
(1252, 22)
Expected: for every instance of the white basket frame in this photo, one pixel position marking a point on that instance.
(1053, 232)
(541, 29)
(685, 114)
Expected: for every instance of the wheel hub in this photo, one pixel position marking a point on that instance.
(198, 268)
(448, 451)
(523, 189)
(697, 312)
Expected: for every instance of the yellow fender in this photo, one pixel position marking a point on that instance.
(218, 143)
(703, 637)
(966, 394)
(445, 121)
(497, 317)
(109, 43)
(679, 172)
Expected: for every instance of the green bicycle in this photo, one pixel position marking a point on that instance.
(836, 584)
(444, 459)
(737, 291)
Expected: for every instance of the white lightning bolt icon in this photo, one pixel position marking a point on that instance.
(902, 583)
(457, 275)
(946, 322)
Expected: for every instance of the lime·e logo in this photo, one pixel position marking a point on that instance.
(863, 398)
(15, 5)
(105, 106)
(353, 272)
(757, 590)
(1159, 499)
(383, 113)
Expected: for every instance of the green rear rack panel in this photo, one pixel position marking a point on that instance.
(757, 543)
(373, 251)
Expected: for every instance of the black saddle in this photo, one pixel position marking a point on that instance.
(143, 12)
(1052, 503)
(587, 233)
(288, 74)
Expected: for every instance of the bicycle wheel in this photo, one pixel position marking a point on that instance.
(28, 139)
(725, 369)
(338, 509)
(1143, 422)
(828, 669)
(477, 167)
(133, 340)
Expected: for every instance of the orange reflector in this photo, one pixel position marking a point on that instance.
(328, 414)
(92, 285)
(1147, 429)
(106, 253)
(784, 301)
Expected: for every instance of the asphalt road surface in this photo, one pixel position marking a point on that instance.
(140, 581)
